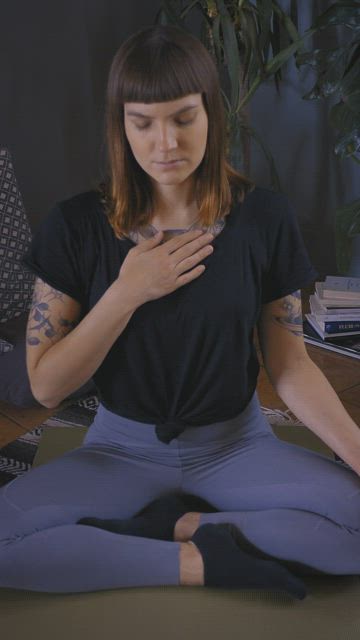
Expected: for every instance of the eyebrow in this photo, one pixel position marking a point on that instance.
(143, 115)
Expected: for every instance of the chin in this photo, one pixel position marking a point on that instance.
(171, 179)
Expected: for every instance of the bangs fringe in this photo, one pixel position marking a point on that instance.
(158, 76)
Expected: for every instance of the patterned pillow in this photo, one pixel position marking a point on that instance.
(16, 280)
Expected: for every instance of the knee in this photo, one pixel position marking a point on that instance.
(16, 525)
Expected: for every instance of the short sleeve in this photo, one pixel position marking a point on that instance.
(289, 267)
(55, 253)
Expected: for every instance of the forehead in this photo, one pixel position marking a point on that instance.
(164, 108)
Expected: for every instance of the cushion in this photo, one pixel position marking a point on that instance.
(16, 280)
(16, 290)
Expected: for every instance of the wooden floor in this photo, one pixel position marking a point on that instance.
(342, 372)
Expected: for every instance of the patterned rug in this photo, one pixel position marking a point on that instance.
(16, 458)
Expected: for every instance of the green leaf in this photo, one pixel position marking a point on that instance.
(350, 81)
(275, 39)
(353, 102)
(351, 209)
(275, 35)
(274, 176)
(348, 144)
(264, 9)
(252, 30)
(255, 64)
(286, 21)
(343, 118)
(231, 51)
(347, 224)
(188, 8)
(235, 144)
(344, 13)
(348, 217)
(320, 59)
(169, 13)
(313, 94)
(330, 66)
(217, 41)
(282, 57)
(294, 12)
(226, 101)
(247, 54)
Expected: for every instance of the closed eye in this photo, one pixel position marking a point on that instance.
(179, 122)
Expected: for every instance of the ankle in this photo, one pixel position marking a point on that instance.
(186, 526)
(191, 565)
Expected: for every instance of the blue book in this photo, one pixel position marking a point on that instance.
(345, 345)
(336, 328)
(339, 326)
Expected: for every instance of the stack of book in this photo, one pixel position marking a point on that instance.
(334, 319)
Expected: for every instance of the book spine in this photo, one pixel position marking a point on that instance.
(340, 296)
(339, 283)
(336, 326)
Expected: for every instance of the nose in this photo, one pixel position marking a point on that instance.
(166, 138)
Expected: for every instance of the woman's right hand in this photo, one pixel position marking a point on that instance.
(153, 271)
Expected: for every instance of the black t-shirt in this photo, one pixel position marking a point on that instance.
(187, 358)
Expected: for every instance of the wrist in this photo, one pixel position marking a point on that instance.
(129, 299)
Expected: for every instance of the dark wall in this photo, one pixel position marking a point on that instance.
(54, 65)
(56, 56)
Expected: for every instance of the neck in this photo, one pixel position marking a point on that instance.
(175, 206)
(174, 220)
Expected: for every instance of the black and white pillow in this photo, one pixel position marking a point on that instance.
(16, 281)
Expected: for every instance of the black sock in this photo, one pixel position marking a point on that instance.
(156, 520)
(176, 501)
(227, 565)
(293, 565)
(158, 527)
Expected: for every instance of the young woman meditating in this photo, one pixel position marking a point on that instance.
(153, 283)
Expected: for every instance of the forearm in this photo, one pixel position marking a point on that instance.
(70, 363)
(310, 396)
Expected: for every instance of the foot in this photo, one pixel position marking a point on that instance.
(186, 526)
(226, 565)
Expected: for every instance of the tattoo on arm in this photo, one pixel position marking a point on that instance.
(289, 315)
(42, 324)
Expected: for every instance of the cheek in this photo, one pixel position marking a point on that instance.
(203, 132)
(199, 139)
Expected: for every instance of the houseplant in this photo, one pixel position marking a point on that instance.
(241, 34)
(338, 77)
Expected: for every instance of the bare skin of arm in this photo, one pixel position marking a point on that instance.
(300, 383)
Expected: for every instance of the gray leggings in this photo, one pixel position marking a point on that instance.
(292, 503)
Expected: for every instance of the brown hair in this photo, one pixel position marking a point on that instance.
(157, 64)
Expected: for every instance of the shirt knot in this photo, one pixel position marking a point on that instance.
(167, 431)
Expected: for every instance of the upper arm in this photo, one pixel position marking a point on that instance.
(280, 334)
(52, 316)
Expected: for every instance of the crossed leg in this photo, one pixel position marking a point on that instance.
(291, 503)
(43, 549)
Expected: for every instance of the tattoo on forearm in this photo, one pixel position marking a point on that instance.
(290, 314)
(43, 326)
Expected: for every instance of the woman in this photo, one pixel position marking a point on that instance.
(180, 479)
